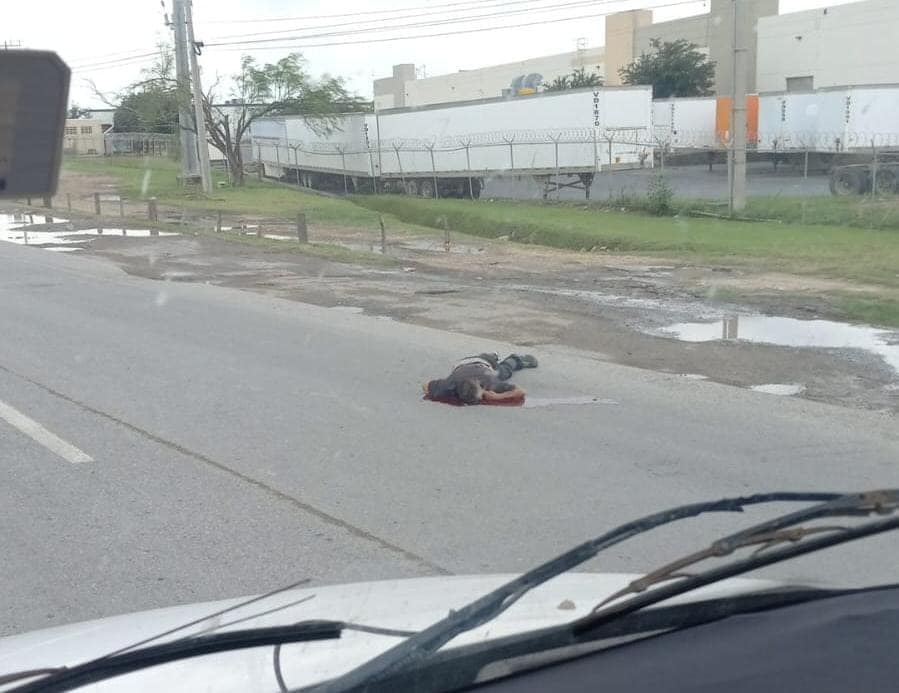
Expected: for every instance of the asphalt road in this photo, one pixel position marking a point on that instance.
(239, 442)
(688, 182)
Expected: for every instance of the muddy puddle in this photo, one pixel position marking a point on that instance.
(421, 245)
(59, 235)
(791, 332)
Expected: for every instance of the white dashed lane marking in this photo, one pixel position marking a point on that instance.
(38, 433)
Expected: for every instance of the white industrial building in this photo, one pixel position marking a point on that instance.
(853, 44)
(404, 89)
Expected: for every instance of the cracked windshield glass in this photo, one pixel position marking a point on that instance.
(323, 320)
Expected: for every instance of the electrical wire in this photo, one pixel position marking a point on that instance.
(381, 20)
(250, 20)
(118, 61)
(424, 24)
(249, 45)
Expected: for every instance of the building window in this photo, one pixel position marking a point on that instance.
(71, 131)
(806, 83)
(87, 129)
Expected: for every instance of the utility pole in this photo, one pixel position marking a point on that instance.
(738, 107)
(182, 69)
(197, 89)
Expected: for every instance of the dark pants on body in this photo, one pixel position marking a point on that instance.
(506, 367)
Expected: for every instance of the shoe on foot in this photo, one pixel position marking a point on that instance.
(528, 361)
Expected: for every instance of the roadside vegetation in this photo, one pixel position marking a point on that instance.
(852, 240)
(858, 256)
(862, 212)
(141, 178)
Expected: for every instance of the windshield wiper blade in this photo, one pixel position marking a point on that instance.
(767, 535)
(494, 603)
(67, 678)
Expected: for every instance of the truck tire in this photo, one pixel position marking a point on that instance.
(847, 181)
(887, 181)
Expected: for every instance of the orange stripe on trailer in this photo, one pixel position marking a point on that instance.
(722, 119)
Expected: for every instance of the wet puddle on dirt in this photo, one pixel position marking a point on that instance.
(424, 245)
(55, 233)
(791, 332)
(780, 389)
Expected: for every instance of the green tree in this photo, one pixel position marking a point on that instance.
(579, 79)
(76, 111)
(673, 68)
(151, 103)
(281, 88)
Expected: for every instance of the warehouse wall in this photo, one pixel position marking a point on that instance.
(621, 30)
(713, 32)
(485, 82)
(836, 46)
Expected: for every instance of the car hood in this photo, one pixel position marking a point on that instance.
(410, 604)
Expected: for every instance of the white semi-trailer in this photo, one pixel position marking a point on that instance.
(562, 139)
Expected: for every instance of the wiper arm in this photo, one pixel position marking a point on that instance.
(67, 678)
(494, 603)
(767, 535)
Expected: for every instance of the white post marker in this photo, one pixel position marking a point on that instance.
(35, 431)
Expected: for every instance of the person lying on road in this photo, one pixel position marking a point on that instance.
(481, 379)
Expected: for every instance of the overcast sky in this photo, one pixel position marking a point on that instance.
(105, 40)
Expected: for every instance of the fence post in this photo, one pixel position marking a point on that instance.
(468, 168)
(302, 232)
(48, 202)
(259, 230)
(343, 166)
(259, 161)
(558, 189)
(446, 235)
(805, 165)
(121, 207)
(69, 201)
(28, 199)
(383, 235)
(874, 170)
(152, 213)
(434, 171)
(218, 222)
(296, 162)
(511, 153)
(97, 203)
(399, 163)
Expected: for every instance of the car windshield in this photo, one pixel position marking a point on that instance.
(340, 293)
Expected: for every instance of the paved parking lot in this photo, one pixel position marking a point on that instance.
(687, 181)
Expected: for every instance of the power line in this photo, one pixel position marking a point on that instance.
(104, 64)
(119, 54)
(250, 45)
(340, 14)
(489, 5)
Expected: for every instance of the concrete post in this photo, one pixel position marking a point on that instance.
(152, 213)
(302, 232)
(97, 204)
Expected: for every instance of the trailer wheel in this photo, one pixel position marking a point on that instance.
(887, 182)
(426, 187)
(847, 181)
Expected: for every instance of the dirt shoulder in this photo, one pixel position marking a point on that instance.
(613, 307)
